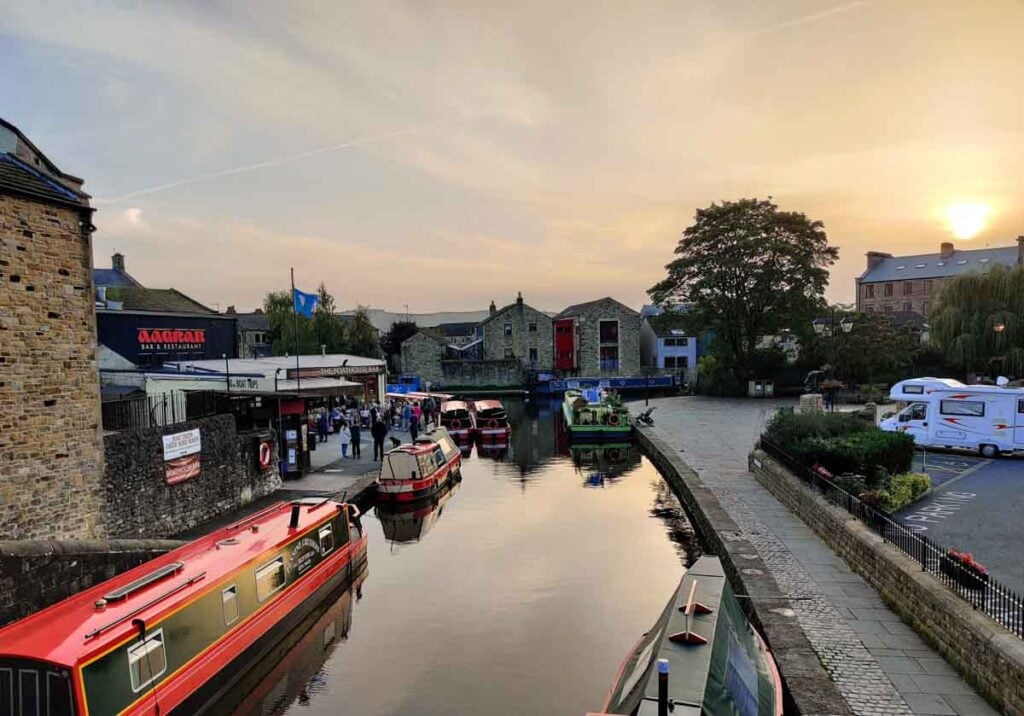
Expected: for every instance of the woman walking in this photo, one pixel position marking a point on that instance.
(346, 437)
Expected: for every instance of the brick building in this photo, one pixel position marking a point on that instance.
(51, 448)
(910, 284)
(518, 332)
(597, 338)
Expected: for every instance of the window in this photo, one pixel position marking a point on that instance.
(270, 578)
(926, 308)
(229, 601)
(29, 701)
(677, 342)
(147, 659)
(970, 408)
(908, 306)
(609, 332)
(869, 309)
(908, 288)
(888, 308)
(532, 327)
(609, 357)
(888, 289)
(927, 286)
(913, 389)
(509, 354)
(1020, 406)
(58, 695)
(917, 411)
(508, 329)
(326, 539)
(869, 291)
(677, 361)
(533, 355)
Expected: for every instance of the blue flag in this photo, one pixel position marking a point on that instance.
(305, 303)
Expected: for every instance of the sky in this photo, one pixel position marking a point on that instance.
(443, 155)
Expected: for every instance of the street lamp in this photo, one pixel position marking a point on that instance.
(227, 371)
(828, 328)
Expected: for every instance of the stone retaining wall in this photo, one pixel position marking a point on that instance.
(989, 656)
(810, 691)
(37, 573)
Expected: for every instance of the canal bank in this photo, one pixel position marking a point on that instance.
(873, 661)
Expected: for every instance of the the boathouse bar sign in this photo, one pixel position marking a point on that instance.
(181, 456)
(336, 371)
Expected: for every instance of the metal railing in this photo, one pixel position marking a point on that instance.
(156, 410)
(977, 588)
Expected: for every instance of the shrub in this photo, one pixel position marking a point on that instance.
(893, 452)
(787, 429)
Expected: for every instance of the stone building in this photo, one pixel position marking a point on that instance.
(598, 338)
(51, 448)
(910, 284)
(253, 333)
(518, 332)
(422, 354)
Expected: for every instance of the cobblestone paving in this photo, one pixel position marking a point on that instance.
(879, 665)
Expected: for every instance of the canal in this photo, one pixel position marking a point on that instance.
(519, 593)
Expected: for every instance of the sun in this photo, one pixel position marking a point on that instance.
(967, 220)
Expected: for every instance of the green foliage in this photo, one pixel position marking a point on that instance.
(362, 336)
(290, 333)
(856, 356)
(963, 321)
(391, 342)
(716, 376)
(787, 429)
(904, 489)
(749, 270)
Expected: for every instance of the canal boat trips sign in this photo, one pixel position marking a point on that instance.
(181, 456)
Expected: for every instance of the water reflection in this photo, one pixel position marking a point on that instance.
(667, 507)
(604, 464)
(293, 672)
(411, 523)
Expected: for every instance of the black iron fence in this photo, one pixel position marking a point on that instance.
(969, 582)
(154, 410)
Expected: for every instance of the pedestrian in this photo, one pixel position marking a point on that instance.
(414, 426)
(346, 437)
(321, 426)
(406, 415)
(356, 431)
(417, 414)
(379, 431)
(428, 411)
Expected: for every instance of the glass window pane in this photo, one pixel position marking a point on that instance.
(29, 696)
(230, 599)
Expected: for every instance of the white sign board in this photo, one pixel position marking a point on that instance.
(181, 444)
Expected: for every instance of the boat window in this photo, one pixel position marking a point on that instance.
(229, 597)
(147, 660)
(326, 539)
(58, 695)
(7, 690)
(972, 408)
(439, 456)
(28, 698)
(426, 464)
(270, 578)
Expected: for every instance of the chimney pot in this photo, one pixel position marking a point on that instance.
(519, 298)
(946, 249)
(117, 262)
(493, 309)
(876, 257)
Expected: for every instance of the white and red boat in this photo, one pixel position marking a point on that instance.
(491, 421)
(458, 420)
(421, 470)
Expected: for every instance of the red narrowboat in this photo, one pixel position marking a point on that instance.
(491, 421)
(457, 419)
(176, 633)
(421, 470)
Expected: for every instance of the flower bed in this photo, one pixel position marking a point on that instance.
(962, 567)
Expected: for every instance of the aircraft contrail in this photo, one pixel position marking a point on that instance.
(259, 165)
(803, 20)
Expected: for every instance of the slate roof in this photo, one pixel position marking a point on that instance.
(112, 277)
(17, 177)
(155, 300)
(579, 308)
(452, 330)
(902, 268)
(252, 321)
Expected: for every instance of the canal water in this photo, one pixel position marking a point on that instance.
(520, 593)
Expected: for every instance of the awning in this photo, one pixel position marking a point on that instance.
(317, 385)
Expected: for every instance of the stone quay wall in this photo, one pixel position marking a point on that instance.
(809, 690)
(140, 504)
(51, 450)
(37, 573)
(989, 656)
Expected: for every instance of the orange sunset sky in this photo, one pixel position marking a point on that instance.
(445, 154)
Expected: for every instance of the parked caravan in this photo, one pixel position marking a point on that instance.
(946, 413)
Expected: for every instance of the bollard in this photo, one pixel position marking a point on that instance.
(662, 687)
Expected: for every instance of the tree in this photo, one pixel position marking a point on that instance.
(284, 326)
(362, 336)
(749, 270)
(330, 331)
(875, 350)
(978, 321)
(391, 342)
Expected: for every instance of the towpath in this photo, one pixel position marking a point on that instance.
(879, 664)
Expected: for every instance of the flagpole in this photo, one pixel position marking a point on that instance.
(295, 322)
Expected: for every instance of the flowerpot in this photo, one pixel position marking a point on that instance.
(966, 576)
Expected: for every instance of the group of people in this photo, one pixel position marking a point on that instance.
(350, 418)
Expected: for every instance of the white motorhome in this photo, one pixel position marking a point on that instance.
(946, 413)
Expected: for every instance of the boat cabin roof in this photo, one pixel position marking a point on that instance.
(75, 628)
(483, 406)
(454, 405)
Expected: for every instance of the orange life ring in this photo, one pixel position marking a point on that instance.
(613, 419)
(456, 424)
(614, 455)
(266, 454)
(492, 423)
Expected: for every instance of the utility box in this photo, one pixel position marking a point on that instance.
(760, 388)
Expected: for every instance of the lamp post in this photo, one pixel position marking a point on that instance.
(828, 328)
(227, 371)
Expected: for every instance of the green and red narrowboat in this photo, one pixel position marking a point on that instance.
(492, 423)
(421, 470)
(457, 419)
(174, 634)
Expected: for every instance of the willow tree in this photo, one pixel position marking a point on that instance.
(978, 321)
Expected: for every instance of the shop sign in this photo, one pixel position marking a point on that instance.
(181, 456)
(170, 339)
(262, 385)
(334, 371)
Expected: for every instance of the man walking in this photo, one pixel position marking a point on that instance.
(414, 426)
(379, 431)
(356, 429)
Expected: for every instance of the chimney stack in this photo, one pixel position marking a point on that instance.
(876, 257)
(494, 309)
(519, 299)
(1020, 250)
(117, 261)
(946, 249)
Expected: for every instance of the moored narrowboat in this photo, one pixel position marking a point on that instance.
(716, 662)
(491, 421)
(457, 419)
(421, 470)
(174, 634)
(595, 415)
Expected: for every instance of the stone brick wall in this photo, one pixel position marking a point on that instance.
(421, 355)
(37, 573)
(917, 295)
(481, 373)
(989, 656)
(139, 502)
(588, 325)
(516, 330)
(51, 457)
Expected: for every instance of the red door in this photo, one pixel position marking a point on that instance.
(565, 344)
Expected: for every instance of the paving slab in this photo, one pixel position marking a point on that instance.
(874, 659)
